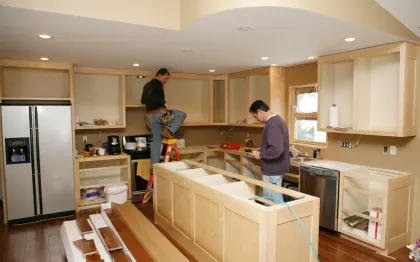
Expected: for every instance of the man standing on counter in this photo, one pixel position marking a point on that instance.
(274, 150)
(153, 97)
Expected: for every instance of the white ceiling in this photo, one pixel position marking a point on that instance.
(406, 11)
(286, 36)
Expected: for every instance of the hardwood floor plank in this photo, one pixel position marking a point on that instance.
(87, 247)
(83, 226)
(40, 242)
(109, 238)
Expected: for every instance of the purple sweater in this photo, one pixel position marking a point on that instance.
(275, 159)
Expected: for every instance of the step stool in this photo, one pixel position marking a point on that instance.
(165, 156)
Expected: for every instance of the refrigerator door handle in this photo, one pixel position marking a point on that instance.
(32, 158)
(38, 160)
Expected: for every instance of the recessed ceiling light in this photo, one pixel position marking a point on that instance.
(186, 50)
(44, 58)
(245, 28)
(264, 58)
(212, 70)
(311, 57)
(45, 36)
(136, 64)
(350, 39)
(273, 64)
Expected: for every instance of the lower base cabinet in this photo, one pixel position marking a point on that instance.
(217, 216)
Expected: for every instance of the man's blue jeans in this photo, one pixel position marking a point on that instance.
(271, 194)
(157, 127)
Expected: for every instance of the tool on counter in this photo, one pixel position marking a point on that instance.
(249, 144)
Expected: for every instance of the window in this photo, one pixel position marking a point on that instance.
(304, 115)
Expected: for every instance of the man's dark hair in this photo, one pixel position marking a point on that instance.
(162, 72)
(258, 105)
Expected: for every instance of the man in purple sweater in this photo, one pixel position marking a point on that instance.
(274, 150)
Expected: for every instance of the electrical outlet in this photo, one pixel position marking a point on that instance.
(393, 150)
(84, 139)
(346, 144)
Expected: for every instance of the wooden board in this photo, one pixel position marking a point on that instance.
(83, 226)
(87, 247)
(119, 256)
(94, 258)
(135, 248)
(109, 239)
(156, 244)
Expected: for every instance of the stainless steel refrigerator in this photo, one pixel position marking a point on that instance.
(38, 160)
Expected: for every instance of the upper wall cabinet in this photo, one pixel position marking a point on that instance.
(27, 80)
(134, 89)
(190, 95)
(99, 100)
(220, 102)
(372, 89)
(266, 84)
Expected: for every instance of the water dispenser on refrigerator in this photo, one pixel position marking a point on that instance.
(17, 150)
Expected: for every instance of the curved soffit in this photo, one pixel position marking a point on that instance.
(178, 14)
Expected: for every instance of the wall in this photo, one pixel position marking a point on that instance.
(369, 150)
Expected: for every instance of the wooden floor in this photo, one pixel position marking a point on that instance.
(41, 242)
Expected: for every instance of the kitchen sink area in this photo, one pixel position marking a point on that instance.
(300, 159)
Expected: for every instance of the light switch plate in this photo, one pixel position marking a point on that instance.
(393, 150)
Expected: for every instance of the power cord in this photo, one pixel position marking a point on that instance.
(294, 213)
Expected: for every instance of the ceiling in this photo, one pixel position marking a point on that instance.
(406, 11)
(287, 36)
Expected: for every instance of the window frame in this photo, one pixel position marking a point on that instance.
(293, 115)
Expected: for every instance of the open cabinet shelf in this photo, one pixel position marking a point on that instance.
(375, 207)
(191, 96)
(98, 172)
(99, 97)
(373, 89)
(134, 89)
(266, 84)
(22, 83)
(220, 102)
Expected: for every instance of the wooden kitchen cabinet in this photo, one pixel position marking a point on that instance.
(99, 96)
(366, 189)
(100, 171)
(134, 89)
(27, 80)
(373, 88)
(220, 100)
(213, 213)
(267, 84)
(192, 96)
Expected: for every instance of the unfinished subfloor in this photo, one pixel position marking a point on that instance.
(41, 242)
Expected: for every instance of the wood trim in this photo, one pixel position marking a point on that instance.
(1, 82)
(113, 71)
(2, 171)
(256, 71)
(210, 101)
(122, 101)
(227, 100)
(361, 53)
(35, 64)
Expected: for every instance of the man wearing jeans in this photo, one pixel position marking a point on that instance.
(153, 97)
(274, 150)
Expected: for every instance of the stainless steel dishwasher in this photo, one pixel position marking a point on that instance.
(322, 183)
